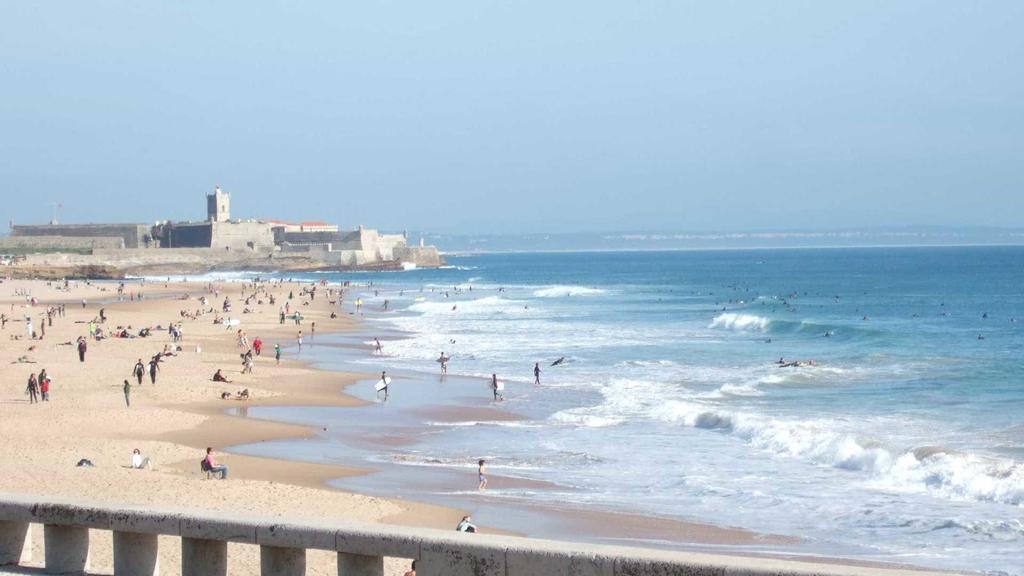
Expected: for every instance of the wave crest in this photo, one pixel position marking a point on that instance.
(563, 291)
(733, 321)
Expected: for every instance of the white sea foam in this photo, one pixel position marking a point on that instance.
(950, 475)
(563, 291)
(733, 321)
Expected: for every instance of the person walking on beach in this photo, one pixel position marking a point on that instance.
(154, 367)
(139, 371)
(299, 339)
(481, 474)
(82, 346)
(44, 386)
(496, 388)
(212, 465)
(443, 360)
(536, 373)
(384, 379)
(127, 394)
(277, 354)
(32, 389)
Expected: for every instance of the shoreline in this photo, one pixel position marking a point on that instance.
(630, 528)
(180, 420)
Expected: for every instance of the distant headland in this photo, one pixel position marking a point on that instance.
(218, 243)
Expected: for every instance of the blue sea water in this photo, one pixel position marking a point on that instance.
(904, 441)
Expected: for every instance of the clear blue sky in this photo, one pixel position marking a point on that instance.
(536, 116)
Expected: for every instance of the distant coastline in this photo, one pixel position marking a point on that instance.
(761, 239)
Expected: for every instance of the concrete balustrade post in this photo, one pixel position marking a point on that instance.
(15, 543)
(136, 554)
(204, 557)
(67, 549)
(278, 561)
(360, 565)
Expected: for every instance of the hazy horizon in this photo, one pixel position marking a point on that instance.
(484, 117)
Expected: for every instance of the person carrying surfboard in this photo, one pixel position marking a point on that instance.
(496, 388)
(382, 384)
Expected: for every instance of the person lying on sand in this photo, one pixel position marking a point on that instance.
(243, 395)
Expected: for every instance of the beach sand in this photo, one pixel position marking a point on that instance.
(173, 421)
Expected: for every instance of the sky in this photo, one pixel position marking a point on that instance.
(517, 116)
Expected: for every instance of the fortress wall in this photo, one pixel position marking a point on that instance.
(242, 236)
(425, 256)
(132, 234)
(190, 235)
(59, 242)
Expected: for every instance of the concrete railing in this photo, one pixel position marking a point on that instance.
(361, 548)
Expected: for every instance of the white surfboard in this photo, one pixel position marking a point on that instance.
(382, 383)
(501, 386)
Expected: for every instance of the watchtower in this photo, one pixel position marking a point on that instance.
(218, 206)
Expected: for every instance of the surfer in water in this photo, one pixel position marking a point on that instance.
(559, 361)
(443, 361)
(536, 373)
(377, 347)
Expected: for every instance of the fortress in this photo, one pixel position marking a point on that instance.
(217, 243)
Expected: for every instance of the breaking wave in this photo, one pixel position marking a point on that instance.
(939, 472)
(733, 321)
(563, 291)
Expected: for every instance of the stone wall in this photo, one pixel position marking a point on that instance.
(134, 235)
(29, 243)
(188, 235)
(242, 236)
(422, 256)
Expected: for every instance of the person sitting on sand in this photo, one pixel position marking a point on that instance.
(219, 377)
(212, 466)
(140, 462)
(243, 395)
(466, 525)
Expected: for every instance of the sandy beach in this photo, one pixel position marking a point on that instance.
(172, 421)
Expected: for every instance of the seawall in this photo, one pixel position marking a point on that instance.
(360, 548)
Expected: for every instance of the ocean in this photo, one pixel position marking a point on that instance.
(898, 435)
